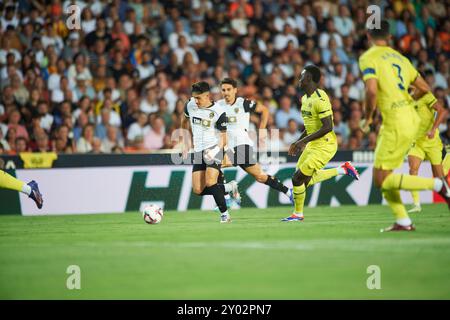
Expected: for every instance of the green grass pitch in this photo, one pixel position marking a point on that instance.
(192, 256)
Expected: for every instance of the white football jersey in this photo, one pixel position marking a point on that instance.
(205, 124)
(238, 121)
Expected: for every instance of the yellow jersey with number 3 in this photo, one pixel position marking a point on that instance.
(394, 74)
(314, 108)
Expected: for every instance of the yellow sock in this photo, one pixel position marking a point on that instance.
(322, 175)
(395, 202)
(9, 182)
(416, 197)
(299, 198)
(396, 181)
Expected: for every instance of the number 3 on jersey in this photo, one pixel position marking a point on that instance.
(399, 74)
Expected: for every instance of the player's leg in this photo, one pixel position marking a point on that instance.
(392, 196)
(344, 169)
(198, 180)
(392, 146)
(391, 184)
(299, 181)
(306, 166)
(31, 189)
(414, 165)
(217, 191)
(262, 177)
(323, 155)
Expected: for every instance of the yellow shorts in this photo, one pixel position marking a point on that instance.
(428, 149)
(316, 156)
(393, 145)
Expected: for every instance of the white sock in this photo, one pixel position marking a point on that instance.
(340, 170)
(26, 189)
(404, 222)
(298, 214)
(228, 187)
(438, 184)
(222, 213)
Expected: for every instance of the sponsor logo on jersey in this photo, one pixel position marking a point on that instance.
(202, 122)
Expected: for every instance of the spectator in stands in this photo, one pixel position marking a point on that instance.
(111, 140)
(154, 137)
(292, 133)
(84, 144)
(42, 142)
(96, 146)
(286, 112)
(138, 128)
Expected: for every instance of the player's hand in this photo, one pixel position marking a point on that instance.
(296, 147)
(364, 125)
(430, 134)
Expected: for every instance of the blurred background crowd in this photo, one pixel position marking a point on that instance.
(117, 79)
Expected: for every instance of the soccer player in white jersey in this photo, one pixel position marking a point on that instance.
(208, 124)
(238, 112)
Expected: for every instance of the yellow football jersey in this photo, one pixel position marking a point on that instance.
(314, 108)
(394, 74)
(424, 107)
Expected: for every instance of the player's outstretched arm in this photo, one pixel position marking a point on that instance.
(264, 112)
(421, 87)
(371, 89)
(442, 114)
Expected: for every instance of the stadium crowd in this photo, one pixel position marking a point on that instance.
(117, 79)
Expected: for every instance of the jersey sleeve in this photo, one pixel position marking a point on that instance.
(428, 99)
(249, 105)
(368, 68)
(221, 123)
(322, 106)
(186, 110)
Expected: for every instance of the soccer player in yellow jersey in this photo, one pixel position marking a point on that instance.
(428, 144)
(317, 144)
(31, 189)
(387, 76)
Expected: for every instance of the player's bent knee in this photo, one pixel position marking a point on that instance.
(197, 190)
(297, 178)
(210, 182)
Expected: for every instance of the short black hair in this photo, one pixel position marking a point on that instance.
(229, 81)
(380, 33)
(200, 87)
(314, 71)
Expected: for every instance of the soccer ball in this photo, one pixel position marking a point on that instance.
(152, 214)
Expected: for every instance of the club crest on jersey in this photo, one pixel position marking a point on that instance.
(211, 115)
(231, 119)
(236, 110)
